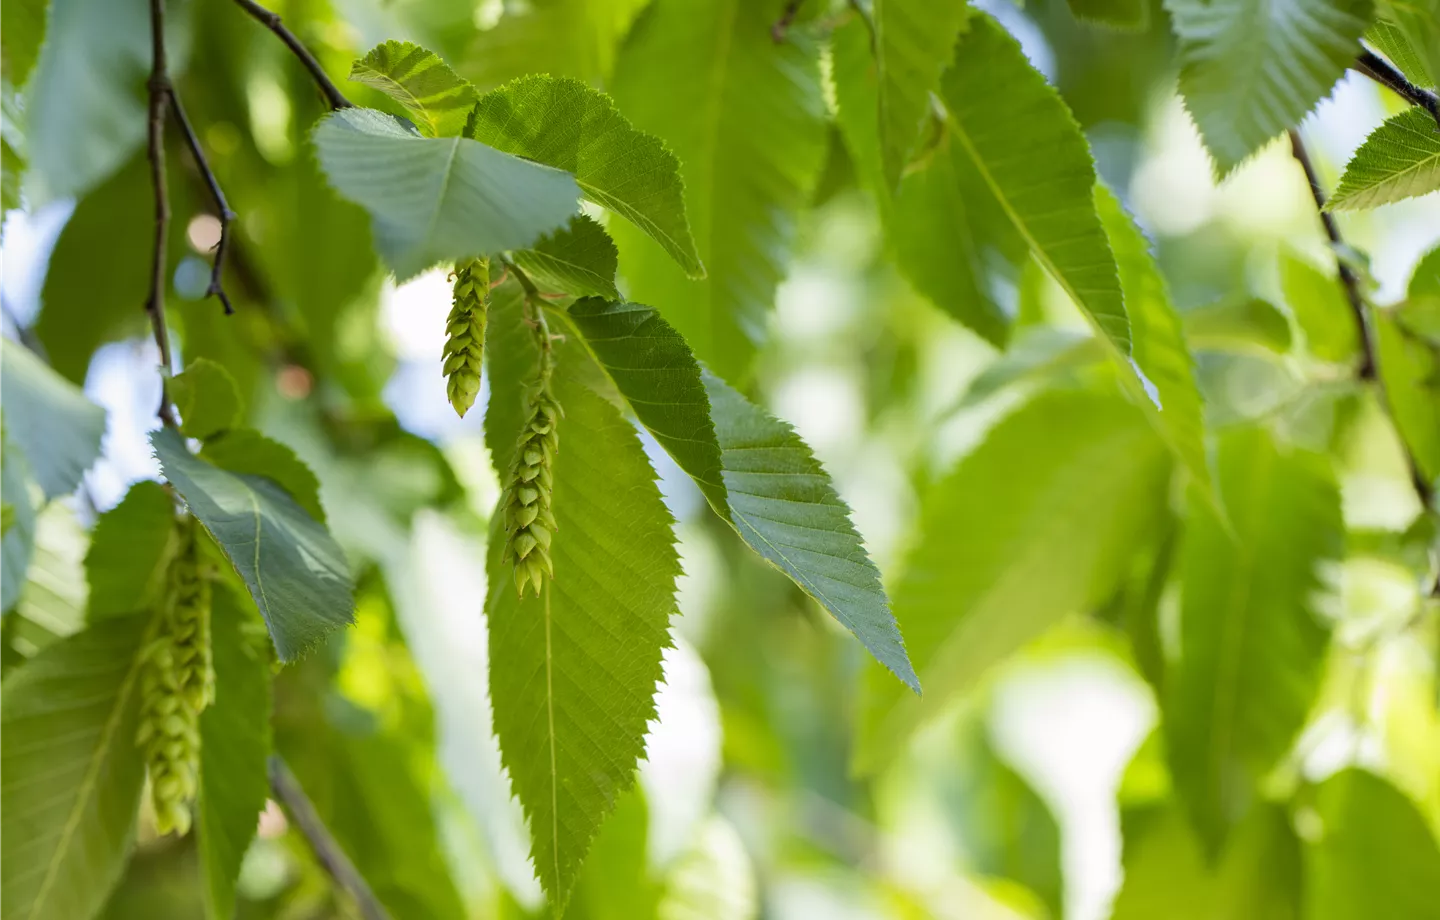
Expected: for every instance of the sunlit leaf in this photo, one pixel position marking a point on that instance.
(1399, 160)
(914, 43)
(579, 259)
(1410, 369)
(206, 397)
(433, 94)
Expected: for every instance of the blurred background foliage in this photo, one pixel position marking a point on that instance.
(1040, 787)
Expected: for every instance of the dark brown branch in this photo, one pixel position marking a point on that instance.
(159, 99)
(1348, 277)
(1388, 75)
(787, 19)
(272, 22)
(287, 790)
(217, 287)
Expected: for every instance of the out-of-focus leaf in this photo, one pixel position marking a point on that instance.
(234, 744)
(571, 732)
(289, 562)
(1023, 140)
(72, 774)
(1399, 160)
(22, 32)
(434, 199)
(52, 603)
(615, 882)
(1410, 370)
(129, 549)
(1376, 856)
(1237, 324)
(579, 259)
(49, 420)
(713, 880)
(1251, 643)
(566, 38)
(1320, 309)
(245, 450)
(18, 542)
(1040, 352)
(746, 118)
(914, 44)
(1249, 69)
(1126, 15)
(1393, 41)
(1037, 523)
(434, 95)
(206, 397)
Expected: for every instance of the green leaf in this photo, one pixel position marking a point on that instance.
(1376, 856)
(565, 124)
(70, 772)
(18, 542)
(434, 95)
(564, 38)
(1125, 15)
(438, 199)
(1318, 303)
(579, 259)
(1419, 22)
(1040, 521)
(1392, 40)
(914, 44)
(49, 420)
(1399, 160)
(713, 879)
(1251, 643)
(289, 562)
(784, 505)
(22, 32)
(746, 117)
(1229, 324)
(573, 671)
(1039, 352)
(207, 398)
(245, 450)
(1410, 370)
(129, 549)
(1249, 69)
(234, 745)
(1160, 351)
(1022, 139)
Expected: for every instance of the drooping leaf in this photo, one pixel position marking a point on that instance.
(434, 95)
(579, 259)
(565, 124)
(234, 745)
(289, 562)
(1022, 139)
(207, 399)
(1410, 370)
(1238, 325)
(573, 671)
(72, 774)
(1376, 856)
(1399, 160)
(245, 450)
(18, 543)
(914, 44)
(49, 420)
(1040, 521)
(1249, 69)
(1251, 644)
(1125, 15)
(434, 199)
(746, 117)
(129, 548)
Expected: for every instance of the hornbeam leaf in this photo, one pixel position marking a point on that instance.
(70, 771)
(579, 259)
(1399, 160)
(1040, 521)
(1393, 40)
(1125, 15)
(1251, 643)
(573, 670)
(125, 565)
(49, 420)
(1418, 22)
(436, 97)
(1410, 369)
(292, 566)
(914, 44)
(746, 117)
(207, 398)
(245, 450)
(435, 199)
(1249, 69)
(565, 124)
(1020, 137)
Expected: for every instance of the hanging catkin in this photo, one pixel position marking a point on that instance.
(529, 520)
(178, 681)
(465, 333)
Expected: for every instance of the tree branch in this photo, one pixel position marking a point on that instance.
(217, 287)
(1388, 75)
(287, 790)
(159, 98)
(272, 22)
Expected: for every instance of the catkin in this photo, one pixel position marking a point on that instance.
(178, 681)
(529, 520)
(465, 333)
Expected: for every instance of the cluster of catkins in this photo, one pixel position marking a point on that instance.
(465, 333)
(177, 682)
(529, 520)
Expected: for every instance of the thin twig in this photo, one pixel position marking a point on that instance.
(1388, 75)
(287, 790)
(271, 21)
(159, 99)
(1347, 275)
(216, 288)
(787, 18)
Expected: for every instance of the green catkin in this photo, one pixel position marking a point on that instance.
(178, 681)
(529, 520)
(465, 333)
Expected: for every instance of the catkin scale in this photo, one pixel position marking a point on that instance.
(529, 520)
(465, 333)
(177, 682)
